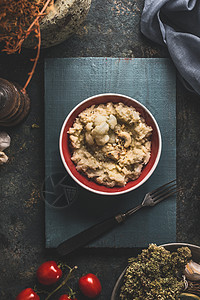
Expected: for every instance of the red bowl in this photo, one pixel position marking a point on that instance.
(83, 180)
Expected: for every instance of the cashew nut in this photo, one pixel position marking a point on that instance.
(126, 136)
(3, 158)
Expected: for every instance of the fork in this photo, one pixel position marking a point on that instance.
(86, 236)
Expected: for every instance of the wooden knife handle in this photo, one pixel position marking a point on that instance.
(86, 236)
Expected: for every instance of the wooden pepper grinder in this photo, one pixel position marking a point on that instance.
(14, 105)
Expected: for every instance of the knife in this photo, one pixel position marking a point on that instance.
(88, 235)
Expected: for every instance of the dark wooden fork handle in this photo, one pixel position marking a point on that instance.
(88, 235)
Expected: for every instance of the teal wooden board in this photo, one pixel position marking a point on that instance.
(152, 81)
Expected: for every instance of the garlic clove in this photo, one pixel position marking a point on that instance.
(192, 271)
(4, 140)
(3, 158)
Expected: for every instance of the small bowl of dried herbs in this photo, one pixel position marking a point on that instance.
(169, 271)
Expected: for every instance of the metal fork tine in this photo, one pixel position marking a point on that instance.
(167, 195)
(154, 197)
(163, 192)
(161, 187)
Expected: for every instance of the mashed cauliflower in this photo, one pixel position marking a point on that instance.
(110, 143)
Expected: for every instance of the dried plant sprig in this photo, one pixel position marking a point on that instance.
(30, 75)
(15, 17)
(31, 27)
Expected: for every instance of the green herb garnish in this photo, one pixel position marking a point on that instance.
(153, 274)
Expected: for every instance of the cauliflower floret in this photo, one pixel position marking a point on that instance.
(89, 126)
(100, 129)
(112, 121)
(102, 140)
(99, 120)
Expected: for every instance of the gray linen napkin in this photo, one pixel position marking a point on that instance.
(176, 24)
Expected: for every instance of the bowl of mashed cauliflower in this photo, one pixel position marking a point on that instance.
(110, 144)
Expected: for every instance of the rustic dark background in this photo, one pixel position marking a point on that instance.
(112, 29)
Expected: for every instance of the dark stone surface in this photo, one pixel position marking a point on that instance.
(111, 29)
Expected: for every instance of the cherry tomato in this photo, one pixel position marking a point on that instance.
(66, 297)
(90, 285)
(28, 294)
(48, 273)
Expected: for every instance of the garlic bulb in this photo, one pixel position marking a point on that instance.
(192, 271)
(4, 140)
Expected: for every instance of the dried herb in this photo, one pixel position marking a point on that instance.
(18, 19)
(154, 274)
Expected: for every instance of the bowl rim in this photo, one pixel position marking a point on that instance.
(149, 173)
(182, 244)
